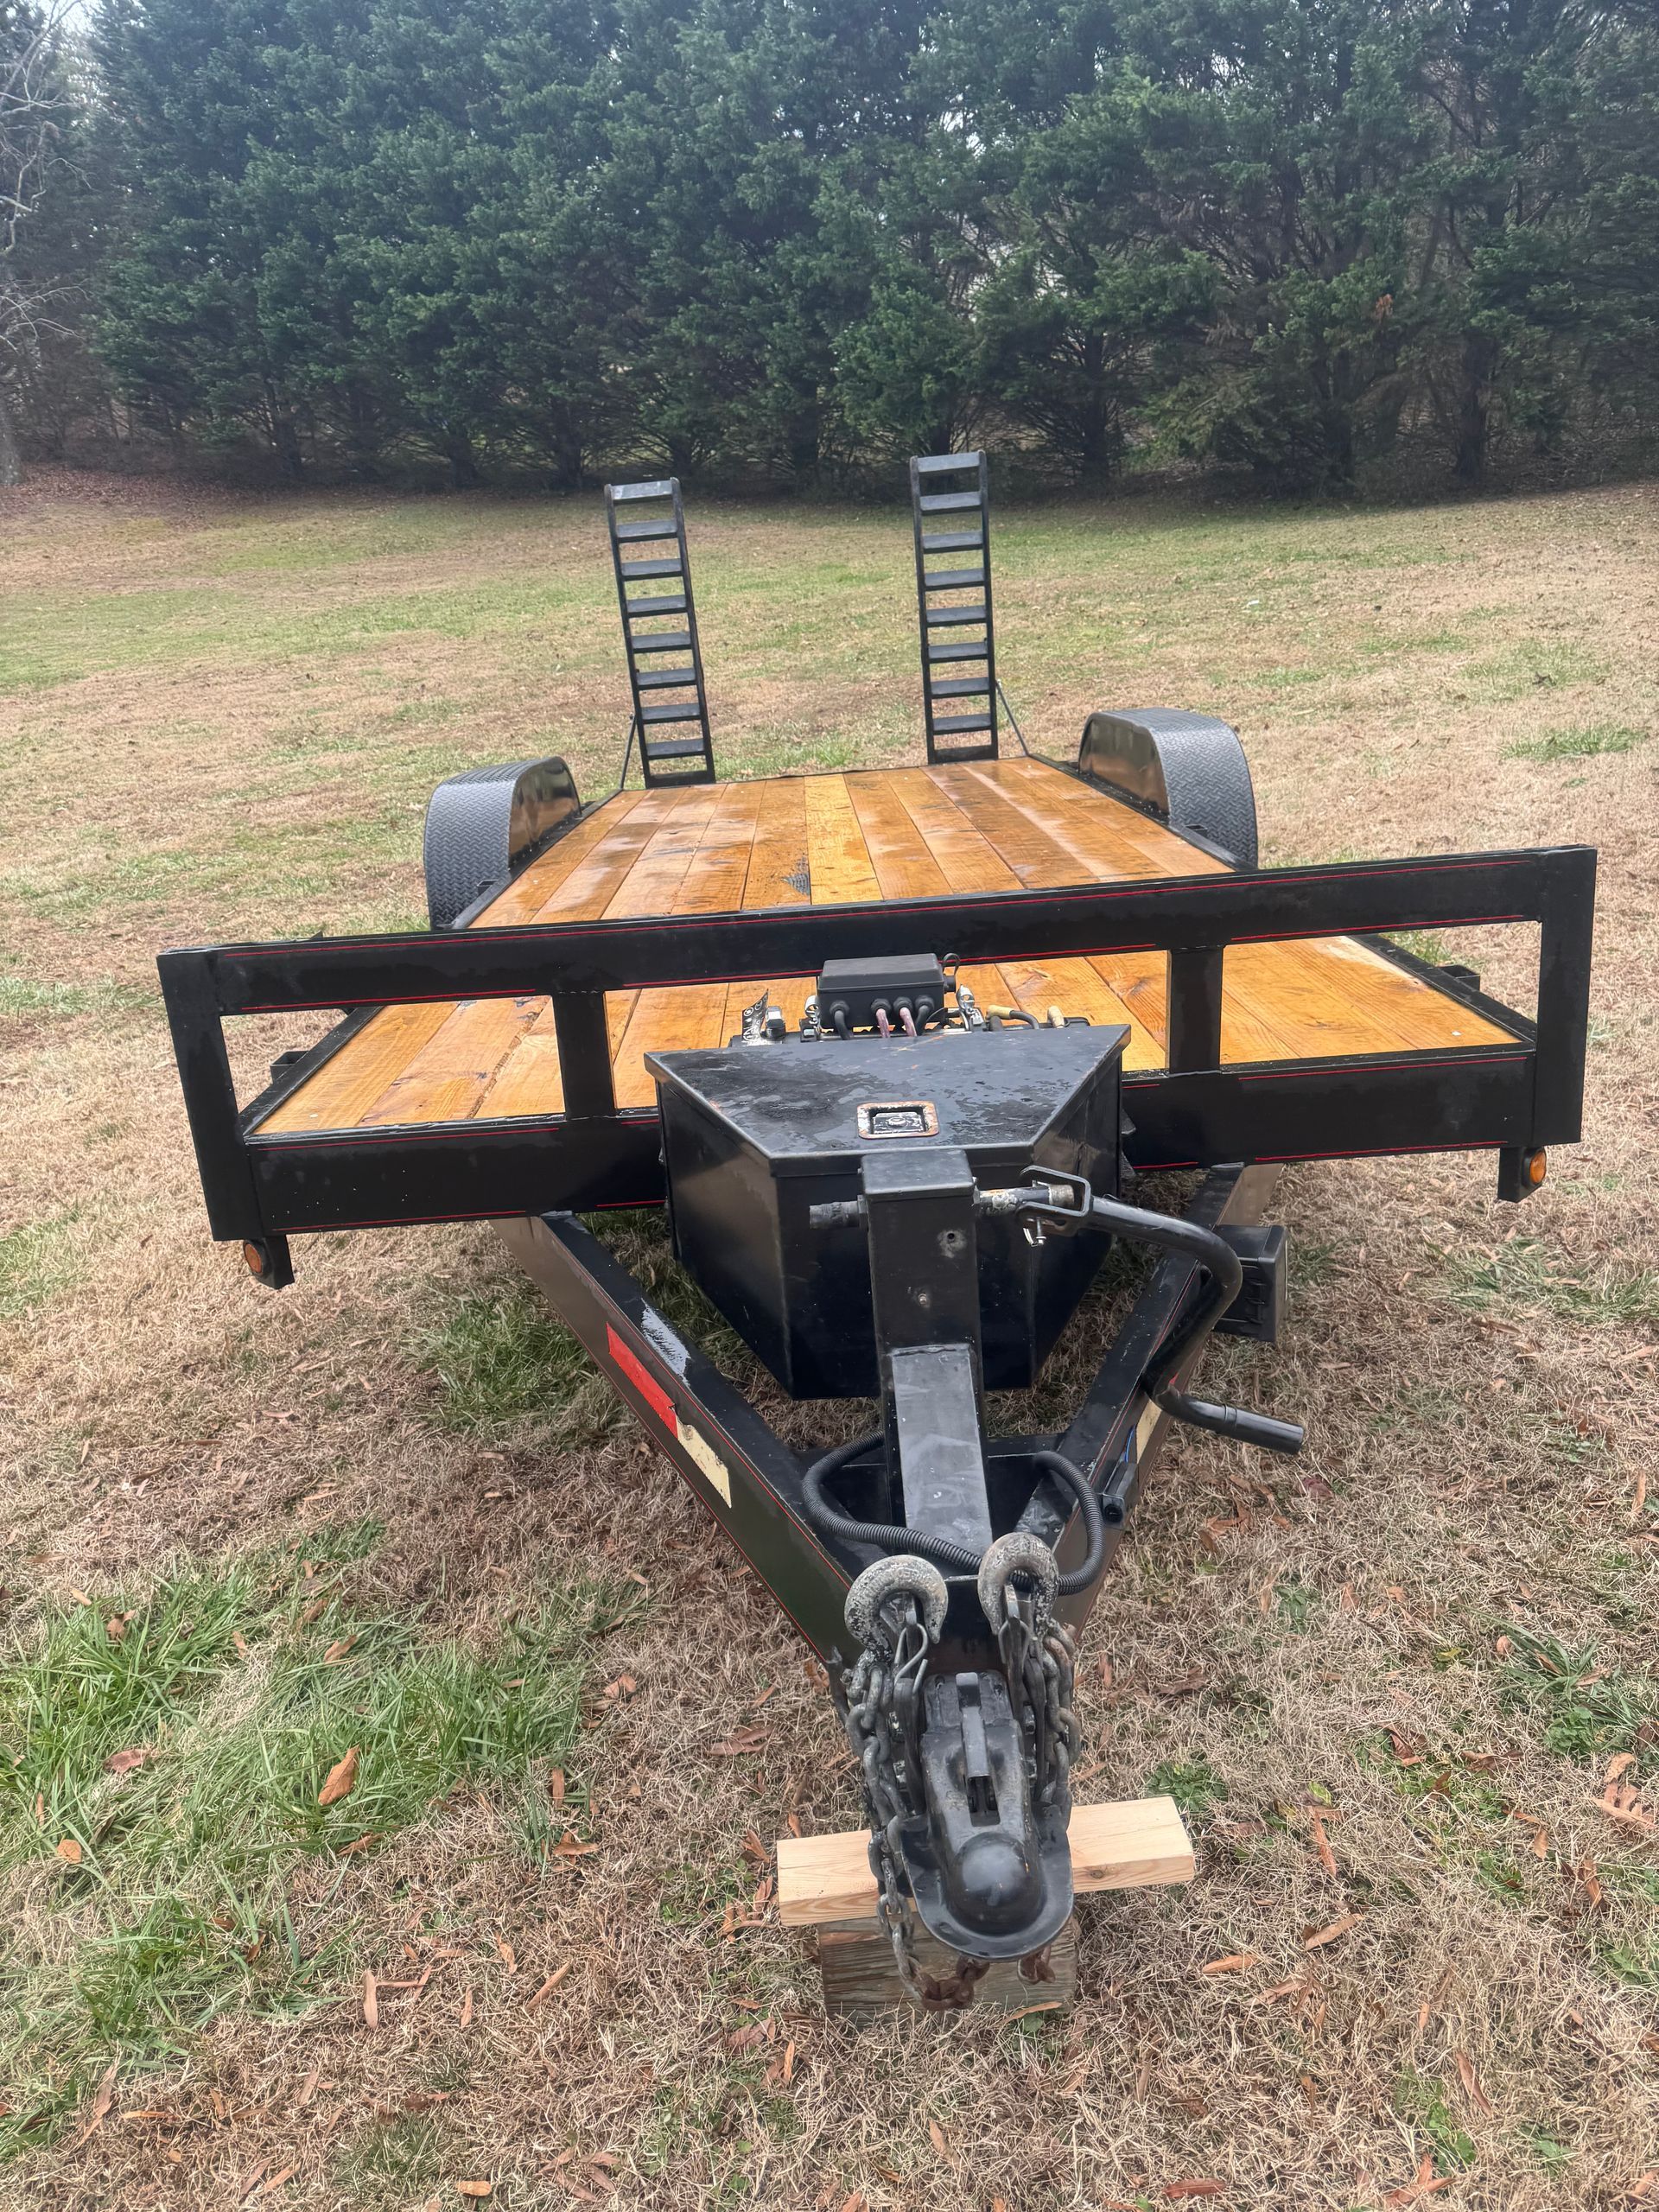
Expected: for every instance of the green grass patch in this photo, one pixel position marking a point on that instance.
(1524, 1273)
(176, 1745)
(502, 1361)
(391, 2163)
(22, 996)
(1579, 742)
(1588, 1711)
(38, 1259)
(1422, 2103)
(1529, 666)
(1195, 1786)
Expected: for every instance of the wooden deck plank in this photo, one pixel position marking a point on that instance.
(837, 859)
(1075, 987)
(1170, 854)
(777, 864)
(527, 895)
(344, 1087)
(1425, 1020)
(904, 867)
(530, 1080)
(970, 860)
(903, 833)
(445, 1080)
(688, 1019)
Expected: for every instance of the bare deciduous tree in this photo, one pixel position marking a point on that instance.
(34, 97)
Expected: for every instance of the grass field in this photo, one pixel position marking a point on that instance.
(388, 1513)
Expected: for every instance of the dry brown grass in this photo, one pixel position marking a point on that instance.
(203, 764)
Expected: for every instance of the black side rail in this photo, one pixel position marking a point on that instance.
(1516, 1098)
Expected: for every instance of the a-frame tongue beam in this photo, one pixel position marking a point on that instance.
(659, 630)
(950, 501)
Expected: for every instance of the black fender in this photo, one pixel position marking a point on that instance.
(1189, 770)
(484, 824)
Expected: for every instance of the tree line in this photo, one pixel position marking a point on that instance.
(797, 239)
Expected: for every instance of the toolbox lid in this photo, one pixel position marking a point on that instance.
(803, 1106)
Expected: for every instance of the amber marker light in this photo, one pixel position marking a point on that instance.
(1537, 1167)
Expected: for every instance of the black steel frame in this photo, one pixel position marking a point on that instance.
(1512, 1097)
(751, 1482)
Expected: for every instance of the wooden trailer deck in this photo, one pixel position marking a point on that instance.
(821, 840)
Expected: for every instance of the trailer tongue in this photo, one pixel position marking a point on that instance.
(895, 1171)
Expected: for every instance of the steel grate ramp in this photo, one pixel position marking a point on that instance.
(659, 630)
(951, 502)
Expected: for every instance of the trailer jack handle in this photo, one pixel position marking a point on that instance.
(1064, 1209)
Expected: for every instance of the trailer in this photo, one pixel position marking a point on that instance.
(896, 1047)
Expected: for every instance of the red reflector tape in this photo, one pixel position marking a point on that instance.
(642, 1379)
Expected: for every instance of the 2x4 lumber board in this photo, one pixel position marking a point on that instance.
(1133, 1843)
(526, 896)
(1291, 988)
(448, 1077)
(345, 1087)
(530, 1080)
(837, 859)
(587, 891)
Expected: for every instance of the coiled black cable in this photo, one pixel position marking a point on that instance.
(886, 1535)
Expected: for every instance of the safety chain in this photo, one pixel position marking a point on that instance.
(899, 1617)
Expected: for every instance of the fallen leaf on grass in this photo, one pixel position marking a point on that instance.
(101, 2103)
(473, 2188)
(1322, 1843)
(358, 1843)
(466, 2020)
(341, 1780)
(1471, 2080)
(549, 1985)
(1622, 1765)
(314, 1611)
(371, 2002)
(509, 1956)
(269, 2188)
(1234, 1964)
(1280, 1989)
(623, 1686)
(1316, 1938)
(1424, 2184)
(937, 2137)
(556, 1785)
(307, 2090)
(789, 2064)
(1175, 2189)
(69, 1851)
(252, 2181)
(1639, 1502)
(338, 1650)
(741, 1741)
(126, 1762)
